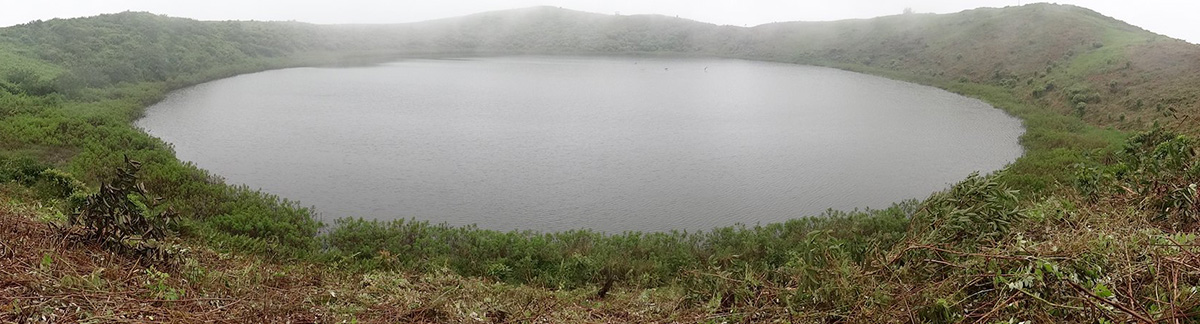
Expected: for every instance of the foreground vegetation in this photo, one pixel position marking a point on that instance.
(1091, 225)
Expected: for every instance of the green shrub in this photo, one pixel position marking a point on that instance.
(21, 169)
(1162, 170)
(59, 184)
(259, 216)
(1082, 94)
(976, 210)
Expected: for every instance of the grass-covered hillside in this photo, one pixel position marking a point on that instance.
(1097, 223)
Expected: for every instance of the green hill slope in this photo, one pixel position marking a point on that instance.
(1092, 224)
(1055, 55)
(1050, 54)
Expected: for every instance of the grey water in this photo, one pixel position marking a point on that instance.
(605, 143)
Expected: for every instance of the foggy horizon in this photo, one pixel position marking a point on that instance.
(1161, 17)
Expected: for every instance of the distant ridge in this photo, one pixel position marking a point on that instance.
(1040, 51)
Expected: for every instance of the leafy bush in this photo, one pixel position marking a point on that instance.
(29, 82)
(1160, 171)
(60, 184)
(976, 210)
(1082, 94)
(122, 217)
(266, 218)
(21, 169)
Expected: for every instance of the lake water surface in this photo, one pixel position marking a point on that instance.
(556, 143)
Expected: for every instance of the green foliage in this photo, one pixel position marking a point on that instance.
(941, 312)
(156, 282)
(139, 47)
(974, 211)
(60, 184)
(1080, 96)
(47, 261)
(28, 82)
(1158, 169)
(1159, 152)
(21, 169)
(1043, 90)
(266, 220)
(574, 258)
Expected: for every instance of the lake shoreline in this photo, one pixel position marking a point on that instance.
(650, 72)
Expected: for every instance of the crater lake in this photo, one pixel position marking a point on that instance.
(612, 144)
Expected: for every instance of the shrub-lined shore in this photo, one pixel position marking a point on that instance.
(1091, 224)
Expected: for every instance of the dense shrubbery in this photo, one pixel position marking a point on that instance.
(977, 210)
(574, 258)
(20, 169)
(1157, 171)
(140, 47)
(262, 222)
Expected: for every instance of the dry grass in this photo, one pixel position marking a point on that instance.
(46, 277)
(1095, 262)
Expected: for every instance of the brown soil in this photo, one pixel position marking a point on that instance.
(45, 277)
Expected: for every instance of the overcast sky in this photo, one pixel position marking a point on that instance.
(1175, 18)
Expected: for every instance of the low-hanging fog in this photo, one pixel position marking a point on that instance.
(1168, 17)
